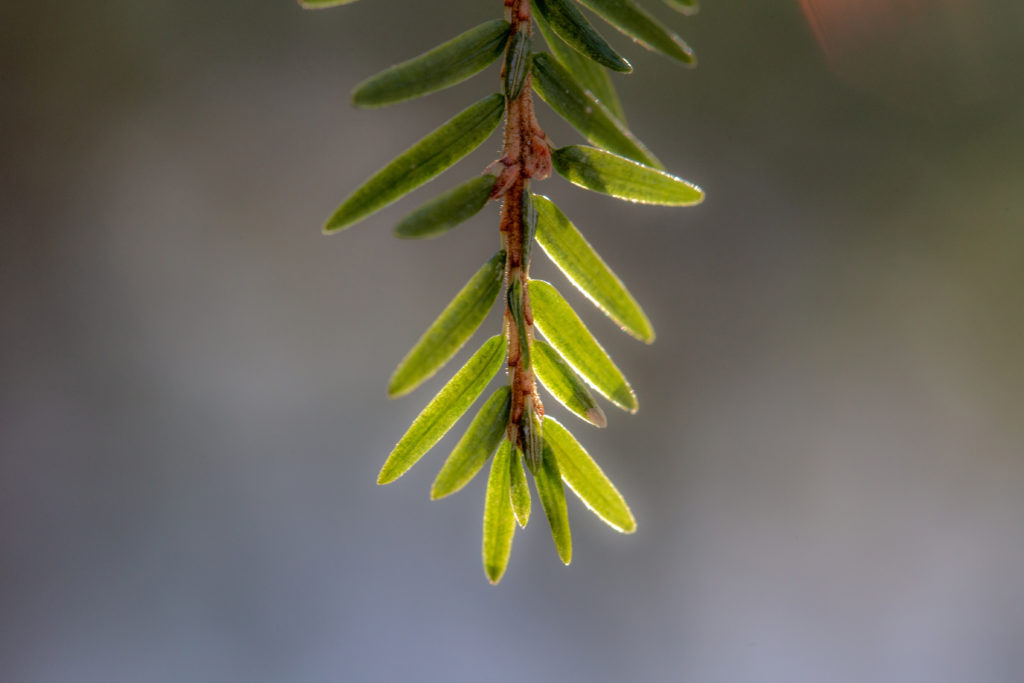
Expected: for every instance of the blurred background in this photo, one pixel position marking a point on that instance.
(827, 466)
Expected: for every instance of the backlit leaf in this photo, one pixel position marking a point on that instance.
(499, 520)
(564, 384)
(451, 330)
(636, 23)
(444, 66)
(519, 489)
(517, 64)
(420, 163)
(323, 4)
(567, 333)
(445, 409)
(518, 314)
(451, 208)
(572, 27)
(552, 499)
(687, 7)
(531, 437)
(564, 244)
(579, 107)
(591, 76)
(586, 479)
(601, 171)
(479, 442)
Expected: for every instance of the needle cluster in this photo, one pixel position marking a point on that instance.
(511, 428)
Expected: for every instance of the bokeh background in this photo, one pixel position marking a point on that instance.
(827, 466)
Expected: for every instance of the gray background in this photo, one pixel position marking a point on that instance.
(826, 467)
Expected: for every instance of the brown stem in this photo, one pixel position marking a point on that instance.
(526, 156)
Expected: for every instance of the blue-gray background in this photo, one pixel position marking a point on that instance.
(826, 467)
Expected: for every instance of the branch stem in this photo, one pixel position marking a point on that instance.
(526, 155)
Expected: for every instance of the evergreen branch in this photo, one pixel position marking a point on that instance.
(511, 427)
